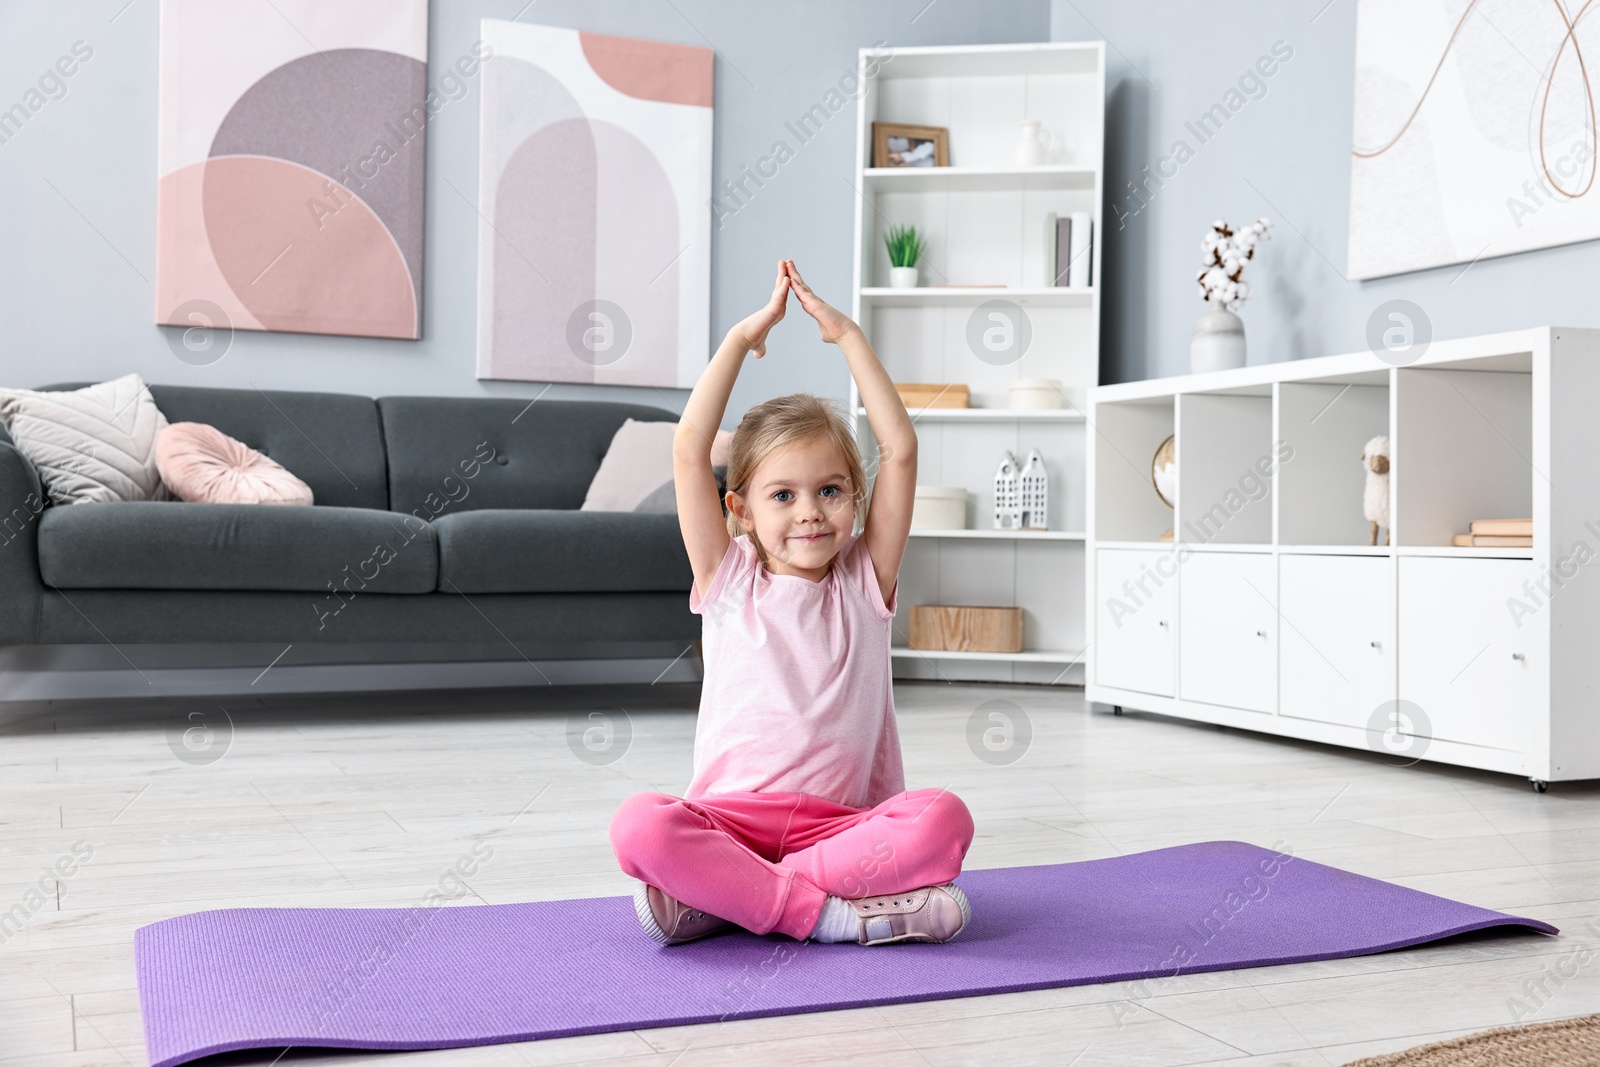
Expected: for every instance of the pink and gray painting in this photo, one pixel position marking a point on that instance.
(587, 272)
(306, 216)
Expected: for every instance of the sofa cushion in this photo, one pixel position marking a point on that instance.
(330, 441)
(203, 465)
(485, 452)
(636, 473)
(558, 551)
(151, 545)
(91, 445)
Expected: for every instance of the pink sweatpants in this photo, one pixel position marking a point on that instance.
(767, 861)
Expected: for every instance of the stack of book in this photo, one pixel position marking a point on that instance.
(1498, 533)
(1067, 250)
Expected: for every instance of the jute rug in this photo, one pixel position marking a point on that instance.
(1563, 1043)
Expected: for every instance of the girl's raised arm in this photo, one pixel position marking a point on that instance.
(700, 518)
(894, 490)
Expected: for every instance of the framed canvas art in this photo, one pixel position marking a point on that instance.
(594, 236)
(1474, 133)
(291, 137)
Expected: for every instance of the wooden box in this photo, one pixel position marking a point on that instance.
(934, 394)
(945, 628)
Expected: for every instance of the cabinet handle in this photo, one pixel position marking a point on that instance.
(1375, 644)
(1162, 623)
(1518, 656)
(1261, 633)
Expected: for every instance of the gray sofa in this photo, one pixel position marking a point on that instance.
(437, 520)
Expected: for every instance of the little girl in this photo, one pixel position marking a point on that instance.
(797, 819)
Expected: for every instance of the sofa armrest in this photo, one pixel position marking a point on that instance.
(21, 591)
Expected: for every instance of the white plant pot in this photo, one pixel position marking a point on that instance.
(902, 277)
(1217, 342)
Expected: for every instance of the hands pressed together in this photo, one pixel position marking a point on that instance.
(832, 323)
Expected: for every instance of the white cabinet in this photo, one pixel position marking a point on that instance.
(1336, 637)
(1471, 671)
(1136, 617)
(1228, 652)
(1294, 619)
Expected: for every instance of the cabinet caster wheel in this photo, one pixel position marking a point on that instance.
(1116, 709)
(1539, 784)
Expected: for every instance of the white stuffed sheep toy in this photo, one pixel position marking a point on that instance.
(1375, 498)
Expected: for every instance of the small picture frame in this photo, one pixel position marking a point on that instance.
(895, 144)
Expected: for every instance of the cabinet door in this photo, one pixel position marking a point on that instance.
(1336, 638)
(1134, 620)
(1464, 661)
(1227, 630)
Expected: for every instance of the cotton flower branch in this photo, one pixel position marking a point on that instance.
(1221, 275)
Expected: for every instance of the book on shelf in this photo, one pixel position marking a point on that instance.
(1063, 251)
(1503, 527)
(1081, 238)
(1492, 540)
(1053, 274)
(1067, 245)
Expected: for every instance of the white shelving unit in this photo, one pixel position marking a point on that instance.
(1271, 612)
(984, 217)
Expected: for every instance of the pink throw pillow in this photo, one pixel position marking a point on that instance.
(722, 448)
(203, 465)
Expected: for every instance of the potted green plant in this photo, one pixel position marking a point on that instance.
(905, 246)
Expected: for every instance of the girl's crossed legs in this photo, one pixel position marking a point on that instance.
(767, 861)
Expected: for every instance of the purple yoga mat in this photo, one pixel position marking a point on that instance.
(400, 978)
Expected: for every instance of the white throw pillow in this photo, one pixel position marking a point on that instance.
(96, 444)
(636, 473)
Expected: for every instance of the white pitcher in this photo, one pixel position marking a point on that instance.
(1035, 143)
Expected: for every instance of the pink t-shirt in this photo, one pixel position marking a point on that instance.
(798, 694)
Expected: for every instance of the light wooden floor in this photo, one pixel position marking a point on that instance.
(365, 801)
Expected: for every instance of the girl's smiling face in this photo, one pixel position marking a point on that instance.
(800, 506)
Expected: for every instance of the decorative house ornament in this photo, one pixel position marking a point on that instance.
(1035, 493)
(1007, 494)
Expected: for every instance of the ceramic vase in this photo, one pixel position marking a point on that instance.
(1217, 342)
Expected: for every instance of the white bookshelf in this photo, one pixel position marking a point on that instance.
(1271, 612)
(985, 415)
(963, 296)
(984, 220)
(1014, 535)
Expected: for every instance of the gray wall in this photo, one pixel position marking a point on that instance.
(1285, 155)
(77, 260)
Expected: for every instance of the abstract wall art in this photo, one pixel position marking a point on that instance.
(291, 165)
(1474, 132)
(594, 189)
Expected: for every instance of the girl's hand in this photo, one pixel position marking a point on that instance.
(755, 328)
(833, 323)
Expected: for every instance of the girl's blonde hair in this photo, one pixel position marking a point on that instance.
(784, 421)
